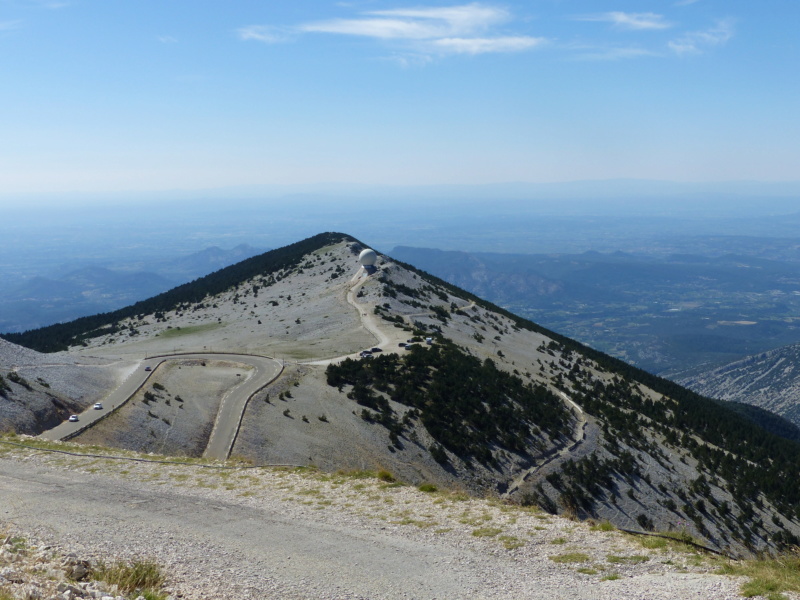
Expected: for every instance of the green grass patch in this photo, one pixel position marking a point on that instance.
(679, 541)
(653, 543)
(391, 486)
(628, 560)
(768, 577)
(559, 541)
(18, 544)
(570, 557)
(299, 354)
(610, 577)
(415, 522)
(486, 531)
(141, 576)
(510, 542)
(428, 488)
(603, 526)
(458, 497)
(386, 476)
(588, 571)
(189, 330)
(357, 474)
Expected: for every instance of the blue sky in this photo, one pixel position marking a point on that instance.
(112, 95)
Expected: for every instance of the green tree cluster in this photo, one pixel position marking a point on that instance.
(471, 408)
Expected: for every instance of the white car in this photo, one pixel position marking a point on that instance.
(98, 406)
(73, 418)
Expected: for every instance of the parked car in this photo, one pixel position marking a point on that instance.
(148, 368)
(365, 354)
(402, 344)
(376, 349)
(73, 418)
(98, 406)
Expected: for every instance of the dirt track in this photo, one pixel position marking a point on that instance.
(279, 534)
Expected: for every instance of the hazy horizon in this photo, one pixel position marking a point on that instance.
(623, 196)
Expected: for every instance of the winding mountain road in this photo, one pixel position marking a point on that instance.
(559, 455)
(229, 415)
(387, 341)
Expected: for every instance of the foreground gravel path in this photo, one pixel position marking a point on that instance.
(283, 533)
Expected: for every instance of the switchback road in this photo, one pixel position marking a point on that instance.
(231, 409)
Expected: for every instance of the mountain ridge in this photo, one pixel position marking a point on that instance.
(638, 450)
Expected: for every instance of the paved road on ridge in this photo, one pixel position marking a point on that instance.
(229, 414)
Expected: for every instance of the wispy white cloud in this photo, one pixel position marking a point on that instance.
(606, 52)
(262, 33)
(696, 42)
(377, 28)
(415, 23)
(633, 21)
(464, 19)
(421, 31)
(167, 39)
(8, 25)
(415, 36)
(485, 45)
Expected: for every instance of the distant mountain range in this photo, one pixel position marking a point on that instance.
(770, 380)
(88, 290)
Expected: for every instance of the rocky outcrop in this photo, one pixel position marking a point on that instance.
(32, 571)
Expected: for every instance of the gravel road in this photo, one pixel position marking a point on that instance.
(285, 534)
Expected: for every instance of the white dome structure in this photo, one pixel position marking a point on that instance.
(368, 258)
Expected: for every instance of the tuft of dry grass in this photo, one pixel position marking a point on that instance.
(141, 576)
(631, 560)
(386, 476)
(570, 557)
(604, 525)
(486, 532)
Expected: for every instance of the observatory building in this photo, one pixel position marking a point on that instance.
(368, 258)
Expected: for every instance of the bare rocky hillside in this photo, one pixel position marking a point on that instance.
(770, 380)
(38, 391)
(461, 394)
